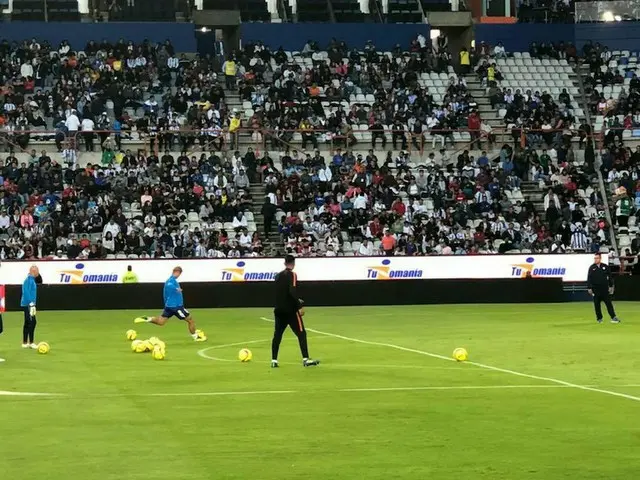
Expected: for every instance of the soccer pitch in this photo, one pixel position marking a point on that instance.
(547, 394)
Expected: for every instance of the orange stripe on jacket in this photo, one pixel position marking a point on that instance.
(300, 321)
(295, 278)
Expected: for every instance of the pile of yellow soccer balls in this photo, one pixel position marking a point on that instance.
(154, 345)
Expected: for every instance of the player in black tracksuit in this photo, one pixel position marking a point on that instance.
(288, 311)
(600, 285)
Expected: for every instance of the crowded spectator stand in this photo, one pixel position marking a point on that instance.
(219, 163)
(613, 90)
(537, 95)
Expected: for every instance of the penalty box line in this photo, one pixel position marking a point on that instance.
(477, 364)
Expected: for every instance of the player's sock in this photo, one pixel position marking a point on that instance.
(275, 345)
(32, 331)
(194, 336)
(304, 347)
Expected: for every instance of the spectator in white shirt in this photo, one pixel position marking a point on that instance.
(330, 251)
(213, 253)
(26, 70)
(613, 175)
(88, 127)
(360, 202)
(241, 179)
(73, 122)
(5, 220)
(499, 51)
(324, 174)
(201, 250)
(239, 221)
(366, 248)
(245, 239)
(551, 198)
(111, 227)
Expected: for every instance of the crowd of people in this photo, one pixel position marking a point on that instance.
(106, 92)
(365, 205)
(147, 205)
(141, 207)
(291, 93)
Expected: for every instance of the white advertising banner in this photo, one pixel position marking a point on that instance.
(571, 268)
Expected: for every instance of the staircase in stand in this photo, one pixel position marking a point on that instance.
(272, 243)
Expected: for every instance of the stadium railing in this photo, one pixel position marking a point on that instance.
(261, 139)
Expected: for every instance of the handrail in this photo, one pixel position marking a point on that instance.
(596, 166)
(223, 140)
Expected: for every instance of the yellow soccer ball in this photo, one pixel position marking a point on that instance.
(245, 355)
(460, 354)
(201, 335)
(154, 340)
(158, 353)
(138, 346)
(43, 348)
(131, 335)
(160, 344)
(148, 346)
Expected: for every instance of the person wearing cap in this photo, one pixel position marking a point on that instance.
(174, 305)
(288, 312)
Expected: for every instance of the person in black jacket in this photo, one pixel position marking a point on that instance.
(600, 285)
(288, 312)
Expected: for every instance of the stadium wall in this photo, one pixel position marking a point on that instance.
(293, 36)
(260, 294)
(517, 37)
(627, 288)
(569, 268)
(182, 35)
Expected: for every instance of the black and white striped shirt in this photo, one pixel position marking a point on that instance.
(579, 240)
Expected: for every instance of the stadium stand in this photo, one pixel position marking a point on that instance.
(323, 151)
(537, 95)
(613, 91)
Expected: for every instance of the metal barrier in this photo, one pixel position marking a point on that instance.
(194, 141)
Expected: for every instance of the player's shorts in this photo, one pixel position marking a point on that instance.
(289, 319)
(180, 312)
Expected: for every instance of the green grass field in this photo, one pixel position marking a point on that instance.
(387, 409)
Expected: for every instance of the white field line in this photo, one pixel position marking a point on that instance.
(7, 393)
(217, 394)
(480, 365)
(341, 390)
(288, 392)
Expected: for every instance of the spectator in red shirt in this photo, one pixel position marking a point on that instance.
(375, 227)
(398, 207)
(473, 123)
